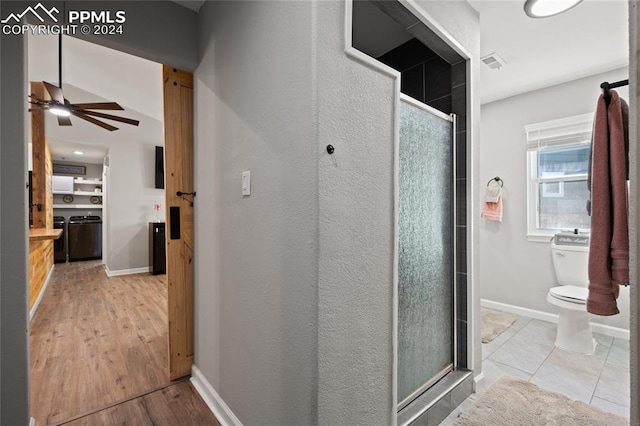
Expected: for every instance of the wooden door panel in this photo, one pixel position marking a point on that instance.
(178, 157)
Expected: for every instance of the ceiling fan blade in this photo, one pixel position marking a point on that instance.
(92, 120)
(113, 117)
(55, 92)
(99, 105)
(64, 121)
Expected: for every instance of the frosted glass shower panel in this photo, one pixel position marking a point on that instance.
(425, 250)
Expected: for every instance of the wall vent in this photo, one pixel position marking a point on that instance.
(493, 61)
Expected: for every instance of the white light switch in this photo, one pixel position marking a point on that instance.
(246, 183)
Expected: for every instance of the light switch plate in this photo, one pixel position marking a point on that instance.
(246, 183)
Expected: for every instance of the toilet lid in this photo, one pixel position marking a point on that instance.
(570, 293)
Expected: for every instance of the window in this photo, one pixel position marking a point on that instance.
(558, 155)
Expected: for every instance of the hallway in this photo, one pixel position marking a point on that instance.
(96, 341)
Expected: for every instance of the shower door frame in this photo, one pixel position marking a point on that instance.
(451, 367)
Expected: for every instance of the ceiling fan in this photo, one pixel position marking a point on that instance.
(61, 107)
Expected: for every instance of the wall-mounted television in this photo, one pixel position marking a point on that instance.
(159, 167)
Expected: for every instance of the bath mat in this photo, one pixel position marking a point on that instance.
(514, 402)
(494, 323)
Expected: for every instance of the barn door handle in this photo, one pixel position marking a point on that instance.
(180, 193)
(174, 223)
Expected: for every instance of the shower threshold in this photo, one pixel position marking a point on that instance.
(437, 402)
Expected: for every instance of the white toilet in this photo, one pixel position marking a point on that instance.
(570, 298)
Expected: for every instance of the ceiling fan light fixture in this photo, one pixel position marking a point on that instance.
(61, 111)
(546, 8)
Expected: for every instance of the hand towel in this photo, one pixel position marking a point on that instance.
(493, 194)
(609, 243)
(493, 211)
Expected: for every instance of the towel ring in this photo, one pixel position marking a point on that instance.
(497, 180)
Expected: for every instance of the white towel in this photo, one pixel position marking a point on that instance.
(493, 194)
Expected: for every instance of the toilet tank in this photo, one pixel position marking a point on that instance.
(571, 264)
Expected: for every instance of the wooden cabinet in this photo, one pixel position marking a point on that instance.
(157, 253)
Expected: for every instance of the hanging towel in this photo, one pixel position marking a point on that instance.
(492, 209)
(609, 243)
(493, 194)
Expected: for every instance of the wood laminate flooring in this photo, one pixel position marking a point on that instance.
(97, 340)
(175, 405)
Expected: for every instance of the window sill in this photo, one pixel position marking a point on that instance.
(540, 238)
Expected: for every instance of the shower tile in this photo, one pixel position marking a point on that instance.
(439, 411)
(610, 407)
(461, 296)
(462, 344)
(441, 104)
(614, 384)
(461, 154)
(411, 54)
(457, 411)
(412, 83)
(522, 354)
(459, 105)
(461, 249)
(462, 391)
(459, 74)
(558, 378)
(437, 79)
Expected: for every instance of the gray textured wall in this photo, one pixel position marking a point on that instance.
(356, 219)
(14, 357)
(256, 257)
(515, 270)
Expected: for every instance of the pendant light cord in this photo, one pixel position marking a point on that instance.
(64, 12)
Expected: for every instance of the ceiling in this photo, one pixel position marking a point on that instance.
(194, 5)
(92, 73)
(589, 39)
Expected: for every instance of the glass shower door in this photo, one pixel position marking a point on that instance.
(426, 256)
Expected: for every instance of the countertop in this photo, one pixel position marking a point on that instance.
(44, 234)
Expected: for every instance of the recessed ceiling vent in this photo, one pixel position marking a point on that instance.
(493, 61)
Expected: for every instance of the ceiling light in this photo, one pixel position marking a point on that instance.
(78, 152)
(58, 110)
(545, 8)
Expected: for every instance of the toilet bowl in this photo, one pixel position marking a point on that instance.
(569, 299)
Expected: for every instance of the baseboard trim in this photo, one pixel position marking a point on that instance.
(213, 400)
(34, 308)
(132, 271)
(478, 382)
(607, 330)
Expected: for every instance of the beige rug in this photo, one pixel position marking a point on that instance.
(514, 402)
(494, 323)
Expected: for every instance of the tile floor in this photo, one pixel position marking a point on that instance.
(526, 351)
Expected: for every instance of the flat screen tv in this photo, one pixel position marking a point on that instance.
(159, 167)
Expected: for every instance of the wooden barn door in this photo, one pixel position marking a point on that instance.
(178, 154)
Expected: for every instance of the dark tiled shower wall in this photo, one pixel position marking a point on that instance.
(459, 107)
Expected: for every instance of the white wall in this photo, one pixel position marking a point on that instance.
(514, 270)
(131, 194)
(256, 256)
